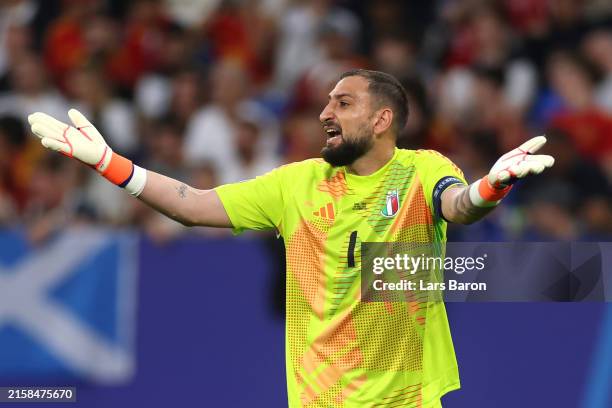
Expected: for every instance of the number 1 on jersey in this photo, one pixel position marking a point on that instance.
(351, 249)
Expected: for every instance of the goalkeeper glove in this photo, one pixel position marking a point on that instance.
(83, 142)
(512, 166)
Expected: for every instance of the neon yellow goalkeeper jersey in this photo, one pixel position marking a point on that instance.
(341, 352)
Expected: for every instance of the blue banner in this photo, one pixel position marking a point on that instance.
(67, 308)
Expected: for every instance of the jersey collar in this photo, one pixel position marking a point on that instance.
(356, 181)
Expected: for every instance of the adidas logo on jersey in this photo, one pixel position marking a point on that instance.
(327, 211)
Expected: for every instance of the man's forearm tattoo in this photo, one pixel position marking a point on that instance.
(182, 190)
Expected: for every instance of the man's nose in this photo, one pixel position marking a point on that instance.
(326, 114)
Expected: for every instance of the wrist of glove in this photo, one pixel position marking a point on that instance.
(83, 142)
(125, 174)
(512, 166)
(483, 194)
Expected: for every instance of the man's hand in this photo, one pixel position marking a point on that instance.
(465, 205)
(512, 166)
(519, 163)
(81, 141)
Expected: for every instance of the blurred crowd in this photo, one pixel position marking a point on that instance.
(216, 91)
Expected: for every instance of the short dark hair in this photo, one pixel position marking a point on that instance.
(388, 90)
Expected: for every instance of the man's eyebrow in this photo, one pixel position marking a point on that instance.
(340, 95)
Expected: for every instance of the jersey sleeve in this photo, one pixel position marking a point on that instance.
(438, 173)
(255, 204)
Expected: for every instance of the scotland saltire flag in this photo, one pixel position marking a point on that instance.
(67, 308)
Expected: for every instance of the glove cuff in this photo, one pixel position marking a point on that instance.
(125, 174)
(483, 194)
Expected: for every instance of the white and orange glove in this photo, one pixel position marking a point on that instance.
(83, 142)
(514, 165)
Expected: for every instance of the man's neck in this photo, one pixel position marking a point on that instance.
(372, 161)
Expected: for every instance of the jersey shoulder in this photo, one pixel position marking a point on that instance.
(419, 154)
(428, 156)
(421, 158)
(302, 171)
(432, 161)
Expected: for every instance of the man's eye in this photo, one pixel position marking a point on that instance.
(343, 104)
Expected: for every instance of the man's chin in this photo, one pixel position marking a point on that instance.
(336, 157)
(345, 152)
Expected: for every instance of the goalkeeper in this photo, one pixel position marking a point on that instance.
(340, 352)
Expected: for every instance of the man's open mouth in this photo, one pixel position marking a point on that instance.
(334, 136)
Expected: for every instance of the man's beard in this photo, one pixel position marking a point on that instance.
(348, 151)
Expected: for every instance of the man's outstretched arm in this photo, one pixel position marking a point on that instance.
(466, 204)
(182, 203)
(185, 204)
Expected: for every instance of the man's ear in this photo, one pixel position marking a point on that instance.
(384, 120)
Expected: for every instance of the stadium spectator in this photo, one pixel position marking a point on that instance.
(91, 93)
(395, 53)
(211, 133)
(141, 43)
(15, 35)
(598, 49)
(14, 168)
(299, 143)
(576, 112)
(65, 46)
(164, 146)
(30, 90)
(299, 30)
(241, 32)
(186, 98)
(52, 198)
(153, 91)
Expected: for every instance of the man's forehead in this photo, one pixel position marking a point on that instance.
(353, 86)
